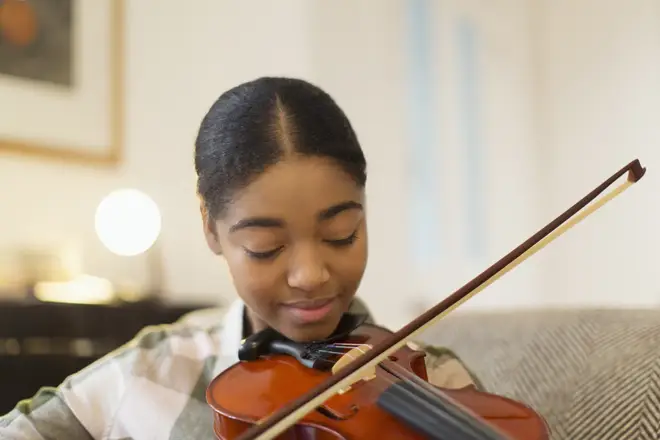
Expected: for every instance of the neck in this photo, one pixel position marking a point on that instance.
(252, 323)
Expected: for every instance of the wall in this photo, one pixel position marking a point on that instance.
(505, 147)
(599, 99)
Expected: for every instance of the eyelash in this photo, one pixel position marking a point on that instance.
(264, 255)
(343, 241)
(336, 243)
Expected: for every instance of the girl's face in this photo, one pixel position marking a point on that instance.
(295, 241)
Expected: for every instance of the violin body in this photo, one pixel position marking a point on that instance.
(250, 391)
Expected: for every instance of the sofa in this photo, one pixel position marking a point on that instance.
(591, 373)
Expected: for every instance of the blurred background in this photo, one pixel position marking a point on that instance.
(481, 122)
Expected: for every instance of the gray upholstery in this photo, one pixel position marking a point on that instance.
(593, 374)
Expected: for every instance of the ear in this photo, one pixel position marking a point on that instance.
(210, 232)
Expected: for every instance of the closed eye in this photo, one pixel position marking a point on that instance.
(263, 255)
(343, 241)
(340, 242)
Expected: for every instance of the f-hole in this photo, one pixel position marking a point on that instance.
(336, 416)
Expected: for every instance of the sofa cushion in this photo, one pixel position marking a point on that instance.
(592, 374)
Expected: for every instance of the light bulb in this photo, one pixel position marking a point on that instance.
(127, 222)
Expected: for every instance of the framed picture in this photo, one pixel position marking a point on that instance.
(61, 69)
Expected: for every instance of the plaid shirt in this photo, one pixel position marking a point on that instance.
(154, 386)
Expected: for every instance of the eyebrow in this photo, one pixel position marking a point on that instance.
(270, 222)
(332, 211)
(256, 222)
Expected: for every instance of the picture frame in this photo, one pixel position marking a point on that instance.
(61, 71)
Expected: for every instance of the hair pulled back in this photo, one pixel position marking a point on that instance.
(258, 123)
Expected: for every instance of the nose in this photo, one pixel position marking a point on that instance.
(308, 270)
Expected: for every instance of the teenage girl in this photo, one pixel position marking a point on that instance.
(281, 182)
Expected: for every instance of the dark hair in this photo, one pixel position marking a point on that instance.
(255, 124)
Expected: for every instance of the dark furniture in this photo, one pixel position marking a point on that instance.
(42, 343)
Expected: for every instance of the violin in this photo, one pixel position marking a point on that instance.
(366, 382)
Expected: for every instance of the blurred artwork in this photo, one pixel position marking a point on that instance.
(61, 72)
(36, 40)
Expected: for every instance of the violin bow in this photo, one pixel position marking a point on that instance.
(288, 415)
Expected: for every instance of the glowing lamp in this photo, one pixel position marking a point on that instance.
(128, 222)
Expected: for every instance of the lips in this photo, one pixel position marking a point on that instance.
(312, 304)
(310, 311)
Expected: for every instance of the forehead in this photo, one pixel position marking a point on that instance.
(294, 188)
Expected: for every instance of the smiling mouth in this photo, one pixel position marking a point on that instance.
(310, 311)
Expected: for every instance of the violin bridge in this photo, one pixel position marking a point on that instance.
(350, 356)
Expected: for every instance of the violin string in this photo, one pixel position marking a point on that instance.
(455, 410)
(389, 380)
(451, 412)
(347, 344)
(400, 373)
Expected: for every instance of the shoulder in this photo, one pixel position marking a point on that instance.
(447, 370)
(189, 337)
(156, 355)
(152, 348)
(161, 362)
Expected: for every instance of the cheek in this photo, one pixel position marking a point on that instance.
(256, 283)
(349, 267)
